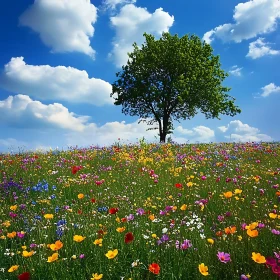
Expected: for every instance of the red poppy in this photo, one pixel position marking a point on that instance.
(75, 169)
(123, 220)
(80, 212)
(24, 276)
(154, 268)
(93, 200)
(178, 185)
(128, 237)
(113, 210)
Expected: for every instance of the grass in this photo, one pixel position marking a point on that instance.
(146, 211)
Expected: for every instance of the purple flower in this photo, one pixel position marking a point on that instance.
(168, 208)
(223, 257)
(276, 232)
(221, 218)
(130, 217)
(20, 234)
(82, 256)
(244, 277)
(165, 238)
(186, 244)
(140, 211)
(261, 225)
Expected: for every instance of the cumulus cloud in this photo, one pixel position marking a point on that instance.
(54, 83)
(130, 25)
(22, 112)
(260, 48)
(199, 133)
(269, 89)
(64, 25)
(240, 132)
(251, 18)
(112, 4)
(235, 71)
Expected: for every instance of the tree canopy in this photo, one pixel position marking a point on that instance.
(172, 79)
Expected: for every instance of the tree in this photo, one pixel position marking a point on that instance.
(171, 79)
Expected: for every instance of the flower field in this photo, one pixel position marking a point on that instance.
(145, 211)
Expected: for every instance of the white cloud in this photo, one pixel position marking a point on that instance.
(260, 48)
(199, 133)
(238, 131)
(112, 4)
(54, 83)
(269, 89)
(23, 112)
(64, 25)
(130, 25)
(250, 19)
(235, 71)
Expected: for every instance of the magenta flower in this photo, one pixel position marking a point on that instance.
(223, 257)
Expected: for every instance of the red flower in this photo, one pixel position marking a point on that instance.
(80, 212)
(93, 200)
(123, 220)
(24, 276)
(178, 185)
(154, 268)
(128, 237)
(75, 169)
(113, 210)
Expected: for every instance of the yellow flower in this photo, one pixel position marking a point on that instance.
(183, 207)
(154, 235)
(27, 254)
(78, 238)
(74, 257)
(53, 257)
(56, 246)
(48, 216)
(120, 229)
(203, 269)
(237, 191)
(272, 215)
(111, 254)
(210, 240)
(190, 184)
(81, 195)
(239, 237)
(13, 268)
(11, 234)
(258, 258)
(6, 224)
(13, 207)
(98, 242)
(118, 220)
(96, 276)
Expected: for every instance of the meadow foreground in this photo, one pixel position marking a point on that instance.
(146, 211)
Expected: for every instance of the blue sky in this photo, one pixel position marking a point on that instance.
(59, 58)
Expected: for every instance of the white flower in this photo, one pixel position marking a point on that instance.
(164, 230)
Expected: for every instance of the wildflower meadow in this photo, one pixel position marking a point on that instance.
(141, 211)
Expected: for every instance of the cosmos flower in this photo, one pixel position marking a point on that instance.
(223, 257)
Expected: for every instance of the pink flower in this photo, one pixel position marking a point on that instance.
(223, 257)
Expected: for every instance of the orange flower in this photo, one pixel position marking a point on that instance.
(152, 217)
(203, 269)
(228, 194)
(258, 258)
(154, 268)
(120, 229)
(252, 232)
(53, 257)
(27, 254)
(230, 230)
(81, 195)
(111, 254)
(78, 238)
(56, 246)
(11, 234)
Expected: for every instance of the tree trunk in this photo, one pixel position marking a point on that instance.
(162, 137)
